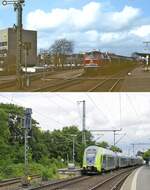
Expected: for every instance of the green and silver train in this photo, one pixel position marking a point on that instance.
(97, 159)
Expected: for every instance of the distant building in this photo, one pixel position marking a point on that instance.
(8, 47)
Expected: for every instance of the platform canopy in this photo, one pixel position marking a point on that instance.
(142, 54)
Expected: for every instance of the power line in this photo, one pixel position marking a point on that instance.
(61, 107)
(98, 108)
(41, 114)
(109, 130)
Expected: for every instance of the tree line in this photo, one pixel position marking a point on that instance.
(46, 148)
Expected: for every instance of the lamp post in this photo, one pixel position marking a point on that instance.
(18, 4)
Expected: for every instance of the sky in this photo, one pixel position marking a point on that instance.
(127, 111)
(118, 26)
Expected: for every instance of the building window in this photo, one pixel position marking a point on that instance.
(3, 53)
(2, 44)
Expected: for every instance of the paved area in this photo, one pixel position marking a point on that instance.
(137, 81)
(138, 180)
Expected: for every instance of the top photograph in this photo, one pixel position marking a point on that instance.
(74, 46)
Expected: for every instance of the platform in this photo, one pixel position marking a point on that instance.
(138, 180)
(137, 81)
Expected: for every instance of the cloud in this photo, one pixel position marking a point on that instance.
(75, 18)
(142, 31)
(90, 16)
(91, 26)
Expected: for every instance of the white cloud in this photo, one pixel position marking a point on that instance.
(91, 26)
(124, 17)
(57, 17)
(142, 31)
(88, 17)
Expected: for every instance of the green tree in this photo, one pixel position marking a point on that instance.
(146, 156)
(103, 144)
(115, 149)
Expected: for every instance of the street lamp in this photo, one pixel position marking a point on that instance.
(73, 148)
(18, 4)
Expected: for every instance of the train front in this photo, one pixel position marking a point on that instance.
(91, 160)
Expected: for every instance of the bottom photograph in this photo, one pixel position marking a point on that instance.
(74, 141)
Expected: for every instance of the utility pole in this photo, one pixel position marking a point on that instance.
(109, 130)
(73, 148)
(137, 144)
(133, 148)
(83, 122)
(26, 47)
(147, 45)
(27, 128)
(18, 4)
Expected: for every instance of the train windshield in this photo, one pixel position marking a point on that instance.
(90, 156)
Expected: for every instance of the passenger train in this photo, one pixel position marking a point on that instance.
(97, 160)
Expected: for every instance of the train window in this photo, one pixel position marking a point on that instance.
(110, 161)
(90, 156)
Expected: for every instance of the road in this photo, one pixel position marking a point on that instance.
(138, 81)
(138, 180)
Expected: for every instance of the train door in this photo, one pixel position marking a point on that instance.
(104, 163)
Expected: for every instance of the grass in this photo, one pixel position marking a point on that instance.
(17, 170)
(112, 68)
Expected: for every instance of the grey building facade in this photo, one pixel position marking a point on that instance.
(8, 48)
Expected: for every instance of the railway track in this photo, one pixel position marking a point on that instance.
(34, 77)
(57, 86)
(108, 85)
(11, 184)
(61, 184)
(113, 183)
(108, 181)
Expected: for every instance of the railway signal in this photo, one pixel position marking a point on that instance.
(27, 128)
(73, 148)
(18, 7)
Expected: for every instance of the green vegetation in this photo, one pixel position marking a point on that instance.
(115, 149)
(48, 150)
(115, 67)
(146, 156)
(118, 66)
(105, 144)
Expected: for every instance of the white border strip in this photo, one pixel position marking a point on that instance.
(134, 181)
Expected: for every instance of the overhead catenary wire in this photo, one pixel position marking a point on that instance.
(63, 109)
(41, 114)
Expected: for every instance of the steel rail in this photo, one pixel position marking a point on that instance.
(61, 184)
(99, 185)
(12, 181)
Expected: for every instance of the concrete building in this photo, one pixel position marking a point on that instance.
(8, 47)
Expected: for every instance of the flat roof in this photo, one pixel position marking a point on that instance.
(9, 28)
(142, 54)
